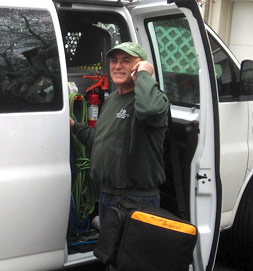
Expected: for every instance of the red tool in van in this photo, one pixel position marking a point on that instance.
(93, 96)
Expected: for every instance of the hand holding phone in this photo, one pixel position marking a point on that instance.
(143, 65)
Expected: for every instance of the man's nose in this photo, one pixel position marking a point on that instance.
(118, 64)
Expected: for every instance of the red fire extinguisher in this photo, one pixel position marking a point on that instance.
(93, 97)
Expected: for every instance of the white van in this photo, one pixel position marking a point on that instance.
(46, 44)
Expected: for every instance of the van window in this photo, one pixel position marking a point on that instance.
(176, 58)
(30, 78)
(227, 73)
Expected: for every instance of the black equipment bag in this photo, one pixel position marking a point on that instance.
(110, 235)
(155, 240)
(148, 238)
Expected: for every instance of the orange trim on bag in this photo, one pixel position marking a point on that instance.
(164, 222)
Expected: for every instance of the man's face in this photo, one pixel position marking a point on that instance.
(121, 65)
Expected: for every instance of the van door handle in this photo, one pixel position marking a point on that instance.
(199, 177)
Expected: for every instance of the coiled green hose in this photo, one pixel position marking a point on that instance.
(83, 193)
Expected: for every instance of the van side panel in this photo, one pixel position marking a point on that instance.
(35, 179)
(49, 260)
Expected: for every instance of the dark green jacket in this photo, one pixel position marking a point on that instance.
(147, 110)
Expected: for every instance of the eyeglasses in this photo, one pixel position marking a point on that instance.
(121, 61)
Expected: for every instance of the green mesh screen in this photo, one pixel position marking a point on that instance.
(173, 45)
(176, 50)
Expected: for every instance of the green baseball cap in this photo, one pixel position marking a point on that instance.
(131, 48)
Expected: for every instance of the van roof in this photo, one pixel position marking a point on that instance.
(97, 1)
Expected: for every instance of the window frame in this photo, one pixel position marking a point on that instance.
(155, 61)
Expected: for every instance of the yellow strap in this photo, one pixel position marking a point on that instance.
(164, 223)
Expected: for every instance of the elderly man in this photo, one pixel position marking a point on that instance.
(136, 111)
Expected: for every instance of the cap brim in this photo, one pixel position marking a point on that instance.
(114, 50)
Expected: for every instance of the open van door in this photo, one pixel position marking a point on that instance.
(173, 34)
(35, 177)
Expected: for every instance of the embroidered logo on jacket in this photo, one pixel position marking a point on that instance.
(122, 114)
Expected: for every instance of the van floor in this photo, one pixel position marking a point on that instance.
(95, 266)
(82, 242)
